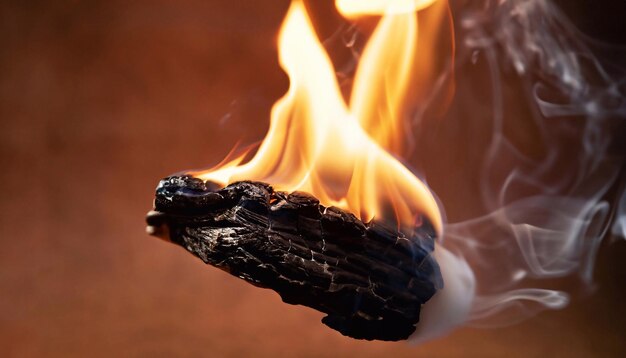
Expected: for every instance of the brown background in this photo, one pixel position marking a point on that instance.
(99, 100)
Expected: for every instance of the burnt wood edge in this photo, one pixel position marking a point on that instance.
(369, 279)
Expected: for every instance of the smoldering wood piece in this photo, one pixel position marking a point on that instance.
(369, 279)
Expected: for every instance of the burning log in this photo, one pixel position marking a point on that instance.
(369, 279)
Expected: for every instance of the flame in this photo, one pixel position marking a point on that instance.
(351, 8)
(341, 153)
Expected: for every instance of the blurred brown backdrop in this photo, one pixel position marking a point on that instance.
(98, 101)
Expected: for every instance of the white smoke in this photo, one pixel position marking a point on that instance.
(548, 213)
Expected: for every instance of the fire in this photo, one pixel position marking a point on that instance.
(341, 152)
(350, 8)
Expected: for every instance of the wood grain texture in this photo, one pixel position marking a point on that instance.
(369, 279)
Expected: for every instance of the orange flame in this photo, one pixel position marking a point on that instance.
(338, 152)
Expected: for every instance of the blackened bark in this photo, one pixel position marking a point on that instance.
(369, 279)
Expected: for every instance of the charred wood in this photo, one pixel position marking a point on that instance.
(370, 279)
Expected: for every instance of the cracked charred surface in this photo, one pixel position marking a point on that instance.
(369, 279)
